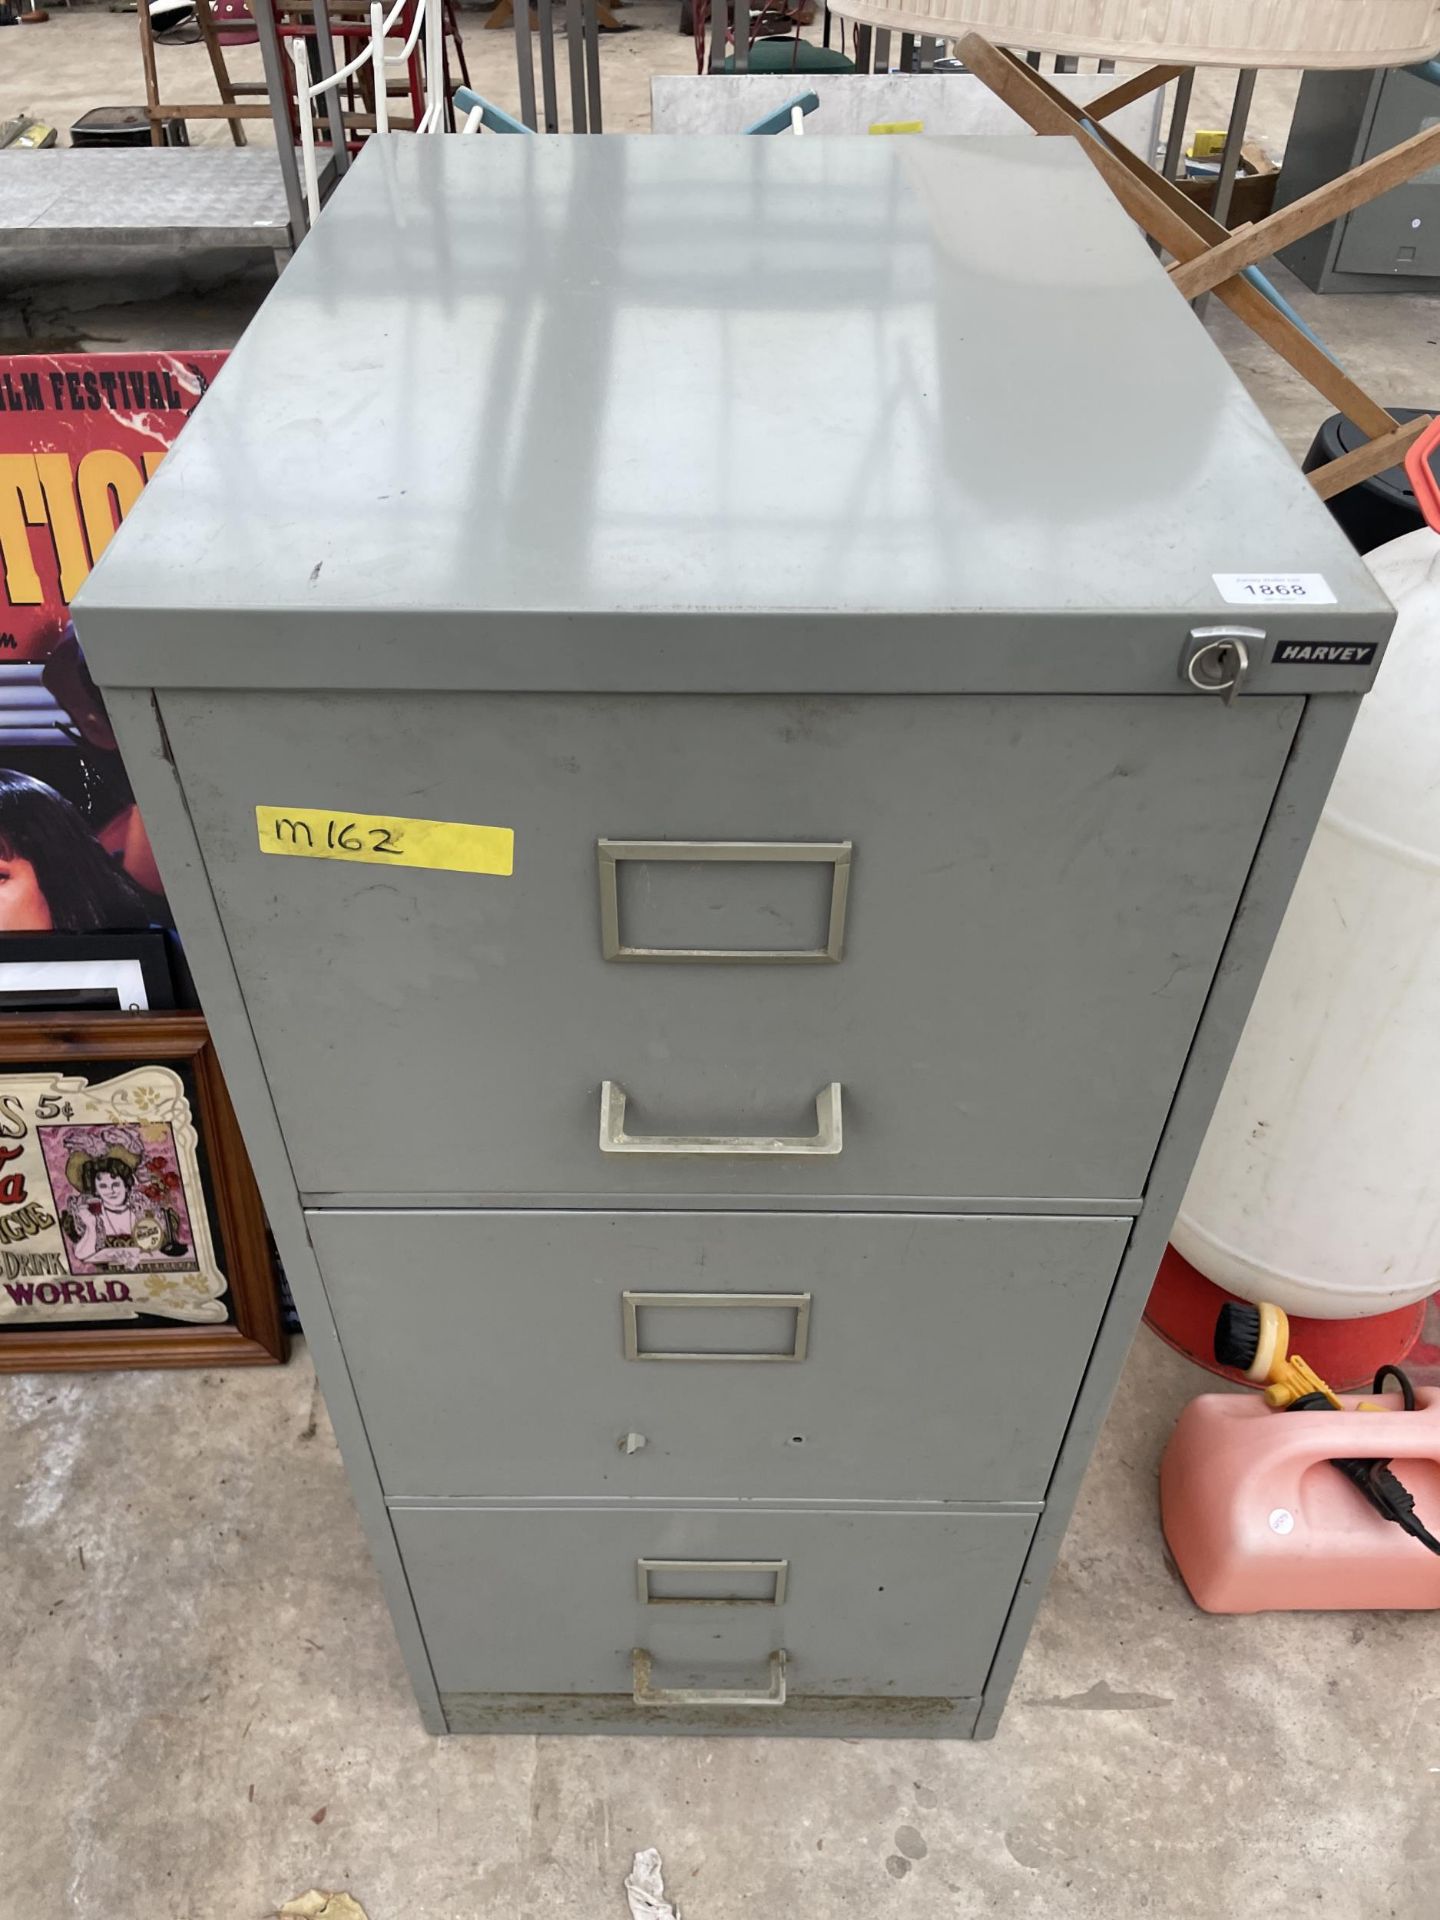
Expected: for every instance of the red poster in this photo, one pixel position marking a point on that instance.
(80, 434)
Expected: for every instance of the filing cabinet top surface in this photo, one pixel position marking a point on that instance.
(534, 412)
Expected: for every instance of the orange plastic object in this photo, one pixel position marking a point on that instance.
(1258, 1520)
(1183, 1305)
(1421, 474)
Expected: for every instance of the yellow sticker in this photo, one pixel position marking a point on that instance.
(385, 839)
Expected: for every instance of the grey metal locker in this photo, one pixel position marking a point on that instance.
(910, 671)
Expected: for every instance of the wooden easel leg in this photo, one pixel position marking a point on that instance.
(1336, 198)
(1156, 204)
(1132, 90)
(1159, 207)
(1301, 354)
(1376, 456)
(1188, 232)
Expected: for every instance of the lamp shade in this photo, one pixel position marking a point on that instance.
(1213, 33)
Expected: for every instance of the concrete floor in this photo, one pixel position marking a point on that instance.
(204, 1712)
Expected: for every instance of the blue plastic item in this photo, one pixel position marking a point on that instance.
(779, 120)
(494, 119)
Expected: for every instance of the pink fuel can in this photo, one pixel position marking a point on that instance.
(1258, 1520)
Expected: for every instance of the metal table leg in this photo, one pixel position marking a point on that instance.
(547, 65)
(277, 85)
(1230, 162)
(591, 23)
(525, 62)
(719, 21)
(334, 106)
(1234, 140)
(1174, 164)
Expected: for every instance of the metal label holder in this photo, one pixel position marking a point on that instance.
(795, 852)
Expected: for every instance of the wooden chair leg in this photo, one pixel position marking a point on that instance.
(152, 83)
(218, 67)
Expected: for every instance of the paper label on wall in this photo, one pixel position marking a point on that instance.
(385, 839)
(1274, 589)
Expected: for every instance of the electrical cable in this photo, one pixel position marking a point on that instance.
(1375, 1479)
(1389, 1497)
(1401, 1379)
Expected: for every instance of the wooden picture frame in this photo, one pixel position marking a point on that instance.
(233, 1225)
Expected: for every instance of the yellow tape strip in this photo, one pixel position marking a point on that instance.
(385, 839)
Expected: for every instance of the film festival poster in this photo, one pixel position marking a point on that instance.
(80, 434)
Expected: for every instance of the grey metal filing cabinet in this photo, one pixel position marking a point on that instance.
(719, 1234)
(1390, 245)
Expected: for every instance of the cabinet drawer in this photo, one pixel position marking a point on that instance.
(941, 1355)
(549, 1601)
(1037, 892)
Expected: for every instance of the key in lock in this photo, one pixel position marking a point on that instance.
(1217, 659)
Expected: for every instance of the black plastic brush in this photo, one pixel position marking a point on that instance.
(1237, 1335)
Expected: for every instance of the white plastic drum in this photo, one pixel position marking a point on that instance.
(1194, 33)
(1318, 1186)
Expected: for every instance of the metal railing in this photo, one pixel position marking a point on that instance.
(429, 19)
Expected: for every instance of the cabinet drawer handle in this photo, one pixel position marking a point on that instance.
(834, 853)
(633, 1303)
(647, 1695)
(726, 1570)
(826, 1139)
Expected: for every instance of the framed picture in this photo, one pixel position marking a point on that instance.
(131, 1230)
(84, 973)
